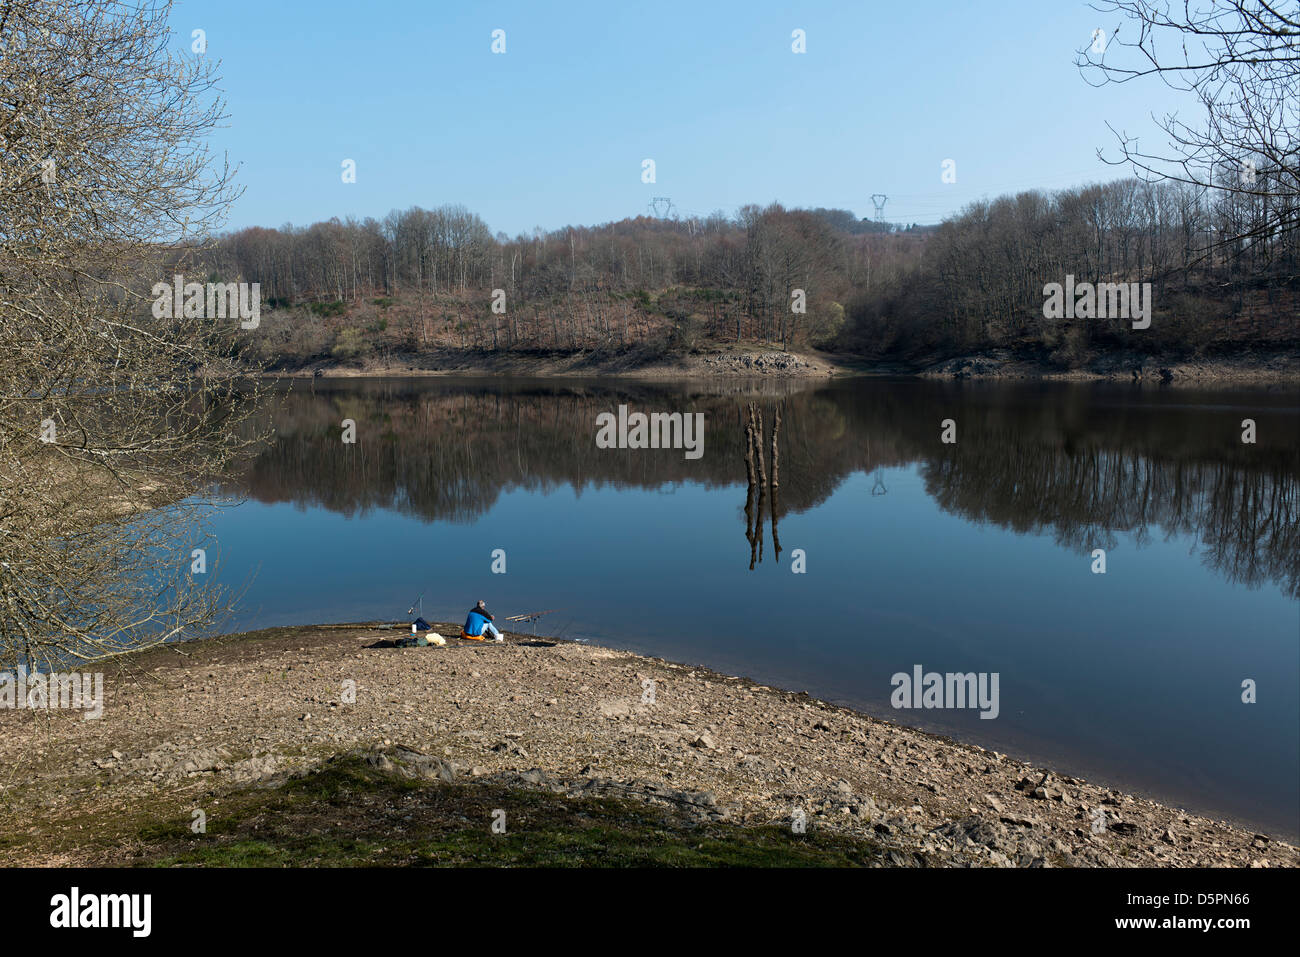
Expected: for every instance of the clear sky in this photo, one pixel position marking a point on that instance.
(554, 131)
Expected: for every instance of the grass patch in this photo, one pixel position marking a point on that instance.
(349, 814)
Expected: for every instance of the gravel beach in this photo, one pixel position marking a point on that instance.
(182, 724)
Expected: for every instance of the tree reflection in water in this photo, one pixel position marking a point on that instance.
(1081, 462)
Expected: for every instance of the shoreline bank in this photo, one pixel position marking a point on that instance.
(1271, 368)
(186, 726)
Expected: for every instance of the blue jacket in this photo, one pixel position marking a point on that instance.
(475, 622)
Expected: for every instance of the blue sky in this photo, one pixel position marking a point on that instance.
(554, 130)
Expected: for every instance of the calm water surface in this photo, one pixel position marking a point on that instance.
(968, 557)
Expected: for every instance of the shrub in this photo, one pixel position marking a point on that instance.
(327, 309)
(349, 344)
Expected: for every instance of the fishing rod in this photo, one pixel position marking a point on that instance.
(419, 601)
(532, 617)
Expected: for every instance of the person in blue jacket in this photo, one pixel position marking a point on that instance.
(479, 624)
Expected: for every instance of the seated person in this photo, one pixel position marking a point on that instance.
(478, 626)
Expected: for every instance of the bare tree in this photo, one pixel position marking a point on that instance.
(1240, 59)
(114, 414)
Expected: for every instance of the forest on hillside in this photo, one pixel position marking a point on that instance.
(1209, 217)
(420, 279)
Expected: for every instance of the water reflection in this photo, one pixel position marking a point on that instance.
(761, 494)
(1084, 463)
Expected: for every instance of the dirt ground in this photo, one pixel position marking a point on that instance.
(184, 725)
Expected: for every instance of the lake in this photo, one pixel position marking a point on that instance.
(882, 548)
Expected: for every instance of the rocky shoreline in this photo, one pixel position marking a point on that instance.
(1264, 369)
(730, 362)
(182, 724)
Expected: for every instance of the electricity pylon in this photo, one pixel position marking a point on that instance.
(661, 203)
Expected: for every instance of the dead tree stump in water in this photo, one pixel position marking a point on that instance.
(750, 534)
(776, 467)
(776, 539)
(750, 472)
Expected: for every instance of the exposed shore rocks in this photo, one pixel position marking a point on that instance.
(760, 363)
(731, 362)
(1267, 367)
(573, 719)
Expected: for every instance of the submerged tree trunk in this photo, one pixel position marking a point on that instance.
(776, 468)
